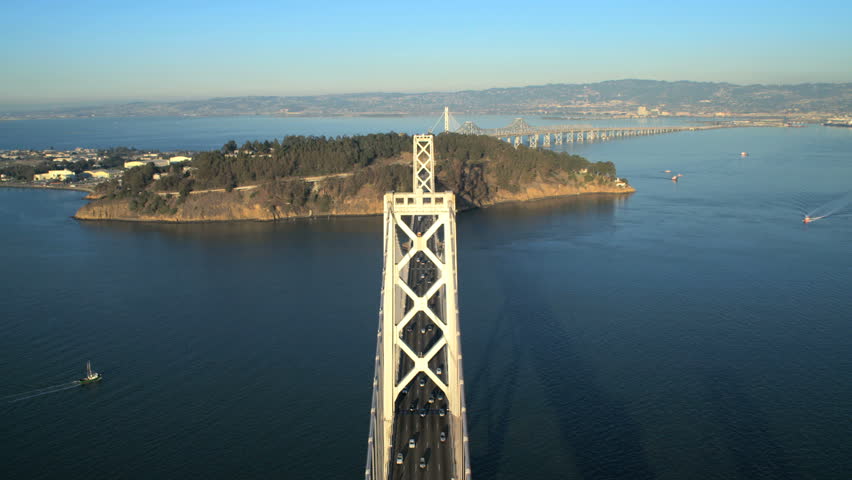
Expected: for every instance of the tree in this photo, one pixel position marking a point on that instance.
(229, 147)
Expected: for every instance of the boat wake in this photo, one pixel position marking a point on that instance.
(838, 207)
(40, 391)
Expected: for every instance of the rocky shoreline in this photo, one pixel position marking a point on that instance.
(239, 206)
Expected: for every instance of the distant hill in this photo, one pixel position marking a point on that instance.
(610, 96)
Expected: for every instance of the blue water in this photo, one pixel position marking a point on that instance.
(692, 330)
(205, 133)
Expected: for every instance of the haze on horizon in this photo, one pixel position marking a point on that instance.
(67, 52)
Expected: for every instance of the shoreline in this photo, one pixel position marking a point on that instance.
(47, 187)
(352, 215)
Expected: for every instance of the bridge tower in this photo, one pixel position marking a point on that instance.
(446, 119)
(418, 347)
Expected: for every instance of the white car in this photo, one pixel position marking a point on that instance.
(411, 443)
(399, 458)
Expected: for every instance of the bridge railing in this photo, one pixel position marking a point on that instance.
(413, 203)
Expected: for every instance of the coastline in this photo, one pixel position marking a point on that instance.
(246, 213)
(47, 187)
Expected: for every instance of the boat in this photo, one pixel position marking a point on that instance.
(91, 377)
(674, 179)
(743, 154)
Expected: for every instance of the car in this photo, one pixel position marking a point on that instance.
(405, 391)
(430, 327)
(439, 370)
(442, 412)
(443, 438)
(422, 382)
(412, 442)
(422, 462)
(422, 330)
(422, 276)
(410, 327)
(423, 412)
(413, 407)
(399, 458)
(440, 394)
(431, 398)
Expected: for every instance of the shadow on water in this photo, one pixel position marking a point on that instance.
(604, 440)
(497, 385)
(744, 432)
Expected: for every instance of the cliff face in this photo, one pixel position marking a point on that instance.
(254, 205)
(540, 190)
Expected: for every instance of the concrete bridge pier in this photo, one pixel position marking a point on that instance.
(546, 140)
(570, 137)
(518, 141)
(534, 141)
(559, 138)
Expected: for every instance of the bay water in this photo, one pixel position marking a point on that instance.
(694, 329)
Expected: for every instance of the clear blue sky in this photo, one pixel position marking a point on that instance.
(88, 51)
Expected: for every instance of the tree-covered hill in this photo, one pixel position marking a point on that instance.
(319, 173)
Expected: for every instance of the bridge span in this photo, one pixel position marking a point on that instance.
(418, 418)
(519, 132)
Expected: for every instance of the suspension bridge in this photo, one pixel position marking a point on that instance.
(519, 132)
(418, 418)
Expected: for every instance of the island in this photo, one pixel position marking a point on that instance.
(319, 176)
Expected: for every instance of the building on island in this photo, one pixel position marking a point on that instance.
(134, 163)
(54, 175)
(98, 173)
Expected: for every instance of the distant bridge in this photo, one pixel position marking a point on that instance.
(519, 132)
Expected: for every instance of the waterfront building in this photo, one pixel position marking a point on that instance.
(179, 159)
(54, 175)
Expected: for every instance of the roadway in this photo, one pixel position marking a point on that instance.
(415, 417)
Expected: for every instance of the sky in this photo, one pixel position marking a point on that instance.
(61, 52)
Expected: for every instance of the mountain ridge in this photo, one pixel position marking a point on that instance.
(610, 96)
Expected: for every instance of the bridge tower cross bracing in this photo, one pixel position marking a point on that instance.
(398, 362)
(424, 164)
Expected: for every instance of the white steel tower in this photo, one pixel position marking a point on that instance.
(418, 351)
